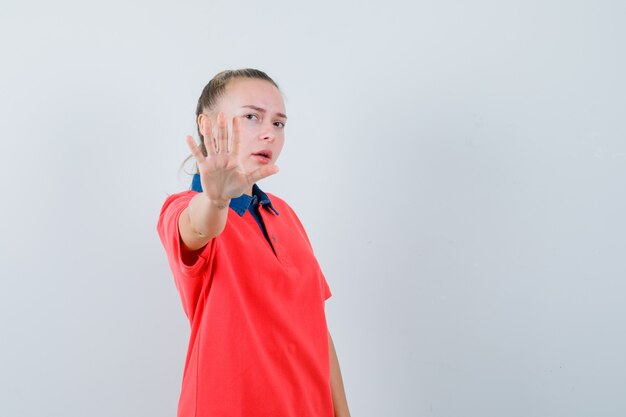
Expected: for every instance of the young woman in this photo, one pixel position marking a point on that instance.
(245, 269)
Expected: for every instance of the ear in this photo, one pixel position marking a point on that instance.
(202, 118)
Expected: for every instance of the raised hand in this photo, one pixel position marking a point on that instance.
(221, 173)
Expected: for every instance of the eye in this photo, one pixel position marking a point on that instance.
(279, 124)
(249, 115)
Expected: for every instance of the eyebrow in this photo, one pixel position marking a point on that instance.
(262, 110)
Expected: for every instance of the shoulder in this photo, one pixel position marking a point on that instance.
(276, 200)
(173, 205)
(280, 204)
(285, 210)
(178, 198)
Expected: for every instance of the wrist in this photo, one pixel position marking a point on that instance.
(220, 203)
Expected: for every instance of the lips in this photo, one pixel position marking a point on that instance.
(264, 153)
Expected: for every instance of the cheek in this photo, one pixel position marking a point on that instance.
(245, 145)
(244, 130)
(280, 142)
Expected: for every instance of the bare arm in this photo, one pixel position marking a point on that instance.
(201, 221)
(222, 178)
(340, 404)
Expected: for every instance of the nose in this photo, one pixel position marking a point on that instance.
(268, 135)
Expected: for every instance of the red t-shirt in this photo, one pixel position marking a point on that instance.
(258, 345)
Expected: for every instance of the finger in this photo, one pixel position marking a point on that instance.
(222, 136)
(236, 132)
(261, 173)
(195, 150)
(208, 139)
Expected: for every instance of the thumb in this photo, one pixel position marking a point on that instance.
(261, 173)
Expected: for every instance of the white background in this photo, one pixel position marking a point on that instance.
(459, 167)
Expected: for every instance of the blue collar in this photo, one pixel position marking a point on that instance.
(242, 203)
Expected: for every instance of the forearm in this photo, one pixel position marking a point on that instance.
(202, 220)
(340, 403)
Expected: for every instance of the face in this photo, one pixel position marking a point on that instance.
(260, 108)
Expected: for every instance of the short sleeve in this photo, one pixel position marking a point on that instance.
(187, 264)
(325, 288)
